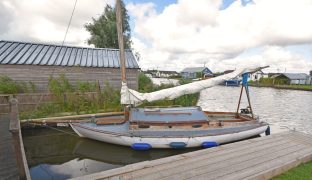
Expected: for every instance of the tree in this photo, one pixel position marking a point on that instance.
(103, 30)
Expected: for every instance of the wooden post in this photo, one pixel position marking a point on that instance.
(239, 101)
(18, 141)
(247, 93)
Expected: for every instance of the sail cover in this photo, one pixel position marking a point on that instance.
(130, 96)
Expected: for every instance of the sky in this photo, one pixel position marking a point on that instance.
(175, 34)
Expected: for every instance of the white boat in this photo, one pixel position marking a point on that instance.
(173, 127)
(182, 127)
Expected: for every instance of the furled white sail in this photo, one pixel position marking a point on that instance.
(130, 96)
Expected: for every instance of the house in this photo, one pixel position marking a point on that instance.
(256, 76)
(36, 62)
(291, 78)
(151, 73)
(161, 74)
(196, 72)
(167, 74)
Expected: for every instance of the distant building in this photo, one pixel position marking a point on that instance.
(291, 78)
(167, 74)
(161, 73)
(151, 73)
(196, 72)
(256, 76)
(36, 62)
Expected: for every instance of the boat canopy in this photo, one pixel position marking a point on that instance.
(176, 115)
(132, 97)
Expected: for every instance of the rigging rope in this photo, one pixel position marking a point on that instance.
(68, 25)
(71, 17)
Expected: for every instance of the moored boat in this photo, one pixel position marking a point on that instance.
(232, 82)
(173, 127)
(181, 127)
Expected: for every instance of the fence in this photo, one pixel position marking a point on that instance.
(30, 101)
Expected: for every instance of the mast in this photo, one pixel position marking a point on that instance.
(121, 52)
(120, 41)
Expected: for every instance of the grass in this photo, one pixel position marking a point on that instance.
(296, 86)
(302, 172)
(280, 83)
(71, 100)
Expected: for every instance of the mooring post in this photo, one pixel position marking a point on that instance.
(15, 130)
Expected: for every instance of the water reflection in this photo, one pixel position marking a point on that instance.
(55, 155)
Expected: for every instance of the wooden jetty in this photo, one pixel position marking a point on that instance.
(258, 158)
(13, 163)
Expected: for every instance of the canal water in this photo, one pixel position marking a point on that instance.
(60, 154)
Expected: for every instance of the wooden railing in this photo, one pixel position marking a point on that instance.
(18, 141)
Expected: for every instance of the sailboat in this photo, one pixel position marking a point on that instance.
(173, 127)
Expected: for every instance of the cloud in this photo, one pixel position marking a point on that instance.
(193, 33)
(46, 20)
(277, 57)
(187, 33)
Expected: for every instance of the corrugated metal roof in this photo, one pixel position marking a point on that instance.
(193, 69)
(12, 52)
(296, 76)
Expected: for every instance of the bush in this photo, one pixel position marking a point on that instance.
(43, 110)
(8, 86)
(146, 85)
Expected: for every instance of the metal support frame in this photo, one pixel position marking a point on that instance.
(248, 98)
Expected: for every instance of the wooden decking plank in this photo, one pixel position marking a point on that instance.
(208, 159)
(207, 152)
(255, 158)
(225, 163)
(232, 171)
(147, 164)
(302, 138)
(293, 159)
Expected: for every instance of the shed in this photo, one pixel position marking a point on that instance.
(195, 72)
(293, 78)
(36, 62)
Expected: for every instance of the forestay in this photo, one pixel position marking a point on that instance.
(130, 96)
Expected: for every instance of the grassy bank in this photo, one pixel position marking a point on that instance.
(73, 100)
(291, 87)
(279, 84)
(303, 171)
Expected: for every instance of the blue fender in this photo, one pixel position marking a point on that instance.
(141, 146)
(209, 144)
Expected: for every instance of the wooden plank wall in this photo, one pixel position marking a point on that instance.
(39, 75)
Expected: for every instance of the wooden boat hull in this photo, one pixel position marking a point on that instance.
(126, 139)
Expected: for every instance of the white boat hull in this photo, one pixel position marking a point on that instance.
(164, 142)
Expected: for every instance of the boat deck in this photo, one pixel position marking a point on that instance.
(259, 158)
